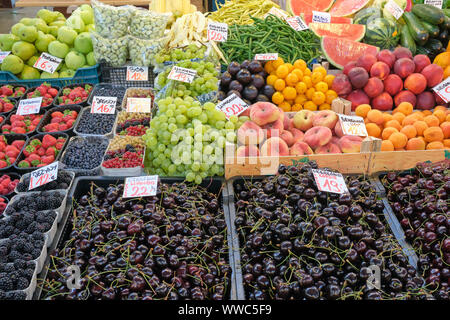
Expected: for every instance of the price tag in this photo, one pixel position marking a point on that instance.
(443, 90)
(43, 175)
(145, 186)
(394, 9)
(182, 74)
(3, 55)
(321, 17)
(232, 106)
(106, 105)
(217, 31)
(47, 63)
(277, 13)
(139, 105)
(29, 106)
(266, 56)
(329, 181)
(297, 23)
(436, 3)
(353, 125)
(137, 73)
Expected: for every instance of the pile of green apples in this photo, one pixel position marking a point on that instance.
(50, 32)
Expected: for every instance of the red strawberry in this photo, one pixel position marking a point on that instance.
(70, 123)
(63, 127)
(59, 145)
(18, 124)
(48, 141)
(18, 144)
(34, 157)
(2, 145)
(56, 120)
(51, 151)
(53, 92)
(12, 160)
(18, 130)
(57, 114)
(31, 128)
(42, 90)
(36, 121)
(3, 164)
(41, 151)
(2, 155)
(35, 143)
(24, 164)
(48, 159)
(16, 117)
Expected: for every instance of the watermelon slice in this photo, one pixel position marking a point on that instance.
(307, 17)
(345, 8)
(296, 7)
(341, 51)
(353, 32)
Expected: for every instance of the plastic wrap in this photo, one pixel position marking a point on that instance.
(112, 22)
(112, 51)
(142, 52)
(147, 24)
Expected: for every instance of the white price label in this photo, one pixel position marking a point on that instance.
(29, 106)
(217, 31)
(443, 90)
(182, 74)
(232, 106)
(436, 3)
(143, 105)
(266, 56)
(137, 73)
(3, 55)
(321, 17)
(106, 105)
(43, 175)
(277, 13)
(297, 23)
(353, 125)
(135, 187)
(329, 181)
(47, 63)
(394, 9)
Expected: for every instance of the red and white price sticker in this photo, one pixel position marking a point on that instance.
(297, 23)
(277, 13)
(329, 181)
(443, 90)
(43, 175)
(137, 73)
(182, 74)
(266, 56)
(139, 105)
(436, 3)
(29, 106)
(3, 55)
(217, 31)
(394, 9)
(353, 125)
(232, 106)
(144, 186)
(321, 17)
(47, 63)
(106, 105)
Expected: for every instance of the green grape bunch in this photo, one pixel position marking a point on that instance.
(181, 54)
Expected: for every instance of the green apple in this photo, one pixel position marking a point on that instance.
(58, 49)
(83, 43)
(26, 21)
(76, 23)
(89, 28)
(87, 16)
(46, 75)
(23, 50)
(60, 17)
(28, 33)
(47, 15)
(43, 40)
(59, 24)
(12, 64)
(75, 60)
(67, 35)
(32, 61)
(53, 30)
(40, 25)
(7, 41)
(15, 28)
(90, 59)
(69, 73)
(29, 73)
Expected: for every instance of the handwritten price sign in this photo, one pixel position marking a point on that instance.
(277, 13)
(106, 105)
(217, 31)
(43, 175)
(436, 3)
(321, 17)
(328, 181)
(394, 9)
(353, 125)
(266, 56)
(137, 73)
(29, 106)
(3, 55)
(135, 187)
(232, 106)
(182, 74)
(297, 23)
(443, 90)
(47, 63)
(139, 105)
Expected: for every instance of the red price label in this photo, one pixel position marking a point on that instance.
(182, 74)
(217, 32)
(137, 73)
(266, 56)
(29, 106)
(106, 105)
(443, 90)
(328, 181)
(232, 106)
(145, 186)
(47, 63)
(43, 175)
(297, 23)
(353, 125)
(143, 105)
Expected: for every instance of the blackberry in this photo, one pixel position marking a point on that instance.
(22, 284)
(16, 295)
(31, 265)
(27, 257)
(6, 284)
(14, 255)
(2, 295)
(9, 267)
(31, 227)
(20, 264)
(3, 251)
(36, 253)
(37, 235)
(28, 248)
(28, 218)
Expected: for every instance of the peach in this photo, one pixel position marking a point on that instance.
(402, 52)
(380, 70)
(386, 145)
(375, 116)
(350, 144)
(435, 145)
(338, 130)
(299, 149)
(274, 147)
(358, 97)
(405, 96)
(445, 126)
(328, 148)
(425, 101)
(416, 83)
(335, 140)
(387, 57)
(434, 74)
(297, 134)
(263, 113)
(421, 61)
(415, 144)
(366, 61)
(273, 129)
(358, 77)
(383, 102)
(247, 151)
(374, 87)
(398, 139)
(341, 85)
(287, 137)
(288, 123)
(349, 66)
(433, 134)
(325, 118)
(438, 98)
(393, 84)
(403, 67)
(303, 120)
(317, 136)
(246, 112)
(250, 133)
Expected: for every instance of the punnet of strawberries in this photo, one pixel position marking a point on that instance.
(46, 91)
(9, 91)
(9, 152)
(130, 157)
(3, 204)
(6, 105)
(74, 95)
(7, 185)
(61, 121)
(21, 124)
(39, 153)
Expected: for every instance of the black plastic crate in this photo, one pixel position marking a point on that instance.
(97, 91)
(118, 76)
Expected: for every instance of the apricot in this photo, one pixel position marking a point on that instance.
(426, 113)
(375, 116)
(387, 117)
(441, 115)
(362, 110)
(433, 134)
(420, 126)
(415, 144)
(373, 130)
(410, 131)
(447, 143)
(410, 120)
(399, 117)
(432, 121)
(387, 145)
(394, 124)
(445, 126)
(398, 139)
(435, 145)
(387, 132)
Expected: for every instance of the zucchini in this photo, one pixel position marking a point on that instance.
(433, 30)
(446, 12)
(434, 45)
(443, 36)
(406, 40)
(446, 23)
(428, 13)
(416, 29)
(425, 51)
